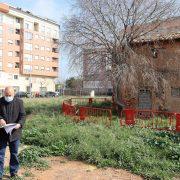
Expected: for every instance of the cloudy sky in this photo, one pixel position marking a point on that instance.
(53, 9)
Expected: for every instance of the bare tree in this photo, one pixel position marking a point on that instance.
(106, 30)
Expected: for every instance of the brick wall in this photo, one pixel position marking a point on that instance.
(167, 61)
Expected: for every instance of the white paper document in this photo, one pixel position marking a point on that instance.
(9, 127)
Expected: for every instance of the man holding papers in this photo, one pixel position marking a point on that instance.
(12, 118)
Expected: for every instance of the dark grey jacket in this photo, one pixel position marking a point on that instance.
(12, 112)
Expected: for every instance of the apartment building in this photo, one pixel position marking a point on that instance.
(29, 50)
(96, 76)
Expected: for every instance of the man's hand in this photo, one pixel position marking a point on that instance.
(17, 126)
(2, 122)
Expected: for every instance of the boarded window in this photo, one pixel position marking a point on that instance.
(145, 101)
(175, 92)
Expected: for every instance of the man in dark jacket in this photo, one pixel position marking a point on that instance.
(11, 111)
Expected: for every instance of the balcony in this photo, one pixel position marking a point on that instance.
(55, 50)
(17, 65)
(55, 69)
(55, 41)
(17, 31)
(55, 59)
(36, 26)
(17, 54)
(17, 42)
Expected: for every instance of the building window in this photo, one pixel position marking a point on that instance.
(10, 65)
(48, 31)
(10, 30)
(54, 33)
(36, 47)
(0, 65)
(0, 41)
(10, 42)
(17, 65)
(1, 30)
(1, 52)
(42, 58)
(36, 67)
(16, 77)
(1, 18)
(28, 25)
(42, 68)
(36, 27)
(55, 59)
(27, 68)
(55, 41)
(17, 54)
(42, 48)
(10, 76)
(47, 69)
(55, 50)
(55, 69)
(154, 53)
(18, 20)
(48, 58)
(48, 49)
(175, 92)
(36, 57)
(42, 37)
(10, 53)
(9, 20)
(17, 42)
(28, 57)
(28, 36)
(28, 46)
(43, 29)
(36, 36)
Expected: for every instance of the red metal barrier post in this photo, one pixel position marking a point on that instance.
(178, 122)
(90, 101)
(129, 116)
(82, 113)
(63, 107)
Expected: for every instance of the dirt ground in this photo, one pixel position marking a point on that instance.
(63, 169)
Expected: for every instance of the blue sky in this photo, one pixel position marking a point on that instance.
(53, 9)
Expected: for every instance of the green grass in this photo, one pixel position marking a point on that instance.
(152, 154)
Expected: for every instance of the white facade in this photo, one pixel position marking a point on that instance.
(23, 82)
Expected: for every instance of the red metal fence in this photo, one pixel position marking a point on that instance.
(143, 118)
(97, 114)
(68, 109)
(71, 107)
(151, 119)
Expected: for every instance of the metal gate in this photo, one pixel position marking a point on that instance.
(145, 100)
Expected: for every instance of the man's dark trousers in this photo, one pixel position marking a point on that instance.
(14, 163)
